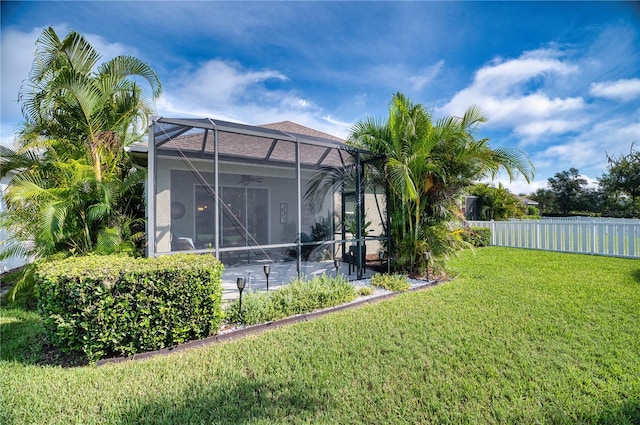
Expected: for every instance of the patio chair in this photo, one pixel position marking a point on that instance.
(351, 258)
(182, 244)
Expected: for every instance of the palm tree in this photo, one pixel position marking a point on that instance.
(76, 189)
(96, 113)
(428, 166)
(497, 203)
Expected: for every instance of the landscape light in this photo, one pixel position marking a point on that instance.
(427, 256)
(240, 282)
(267, 270)
(336, 264)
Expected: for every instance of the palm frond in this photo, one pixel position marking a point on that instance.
(327, 180)
(123, 67)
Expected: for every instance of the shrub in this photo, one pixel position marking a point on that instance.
(478, 236)
(364, 291)
(534, 211)
(392, 282)
(298, 297)
(106, 305)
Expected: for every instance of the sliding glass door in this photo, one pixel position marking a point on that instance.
(245, 216)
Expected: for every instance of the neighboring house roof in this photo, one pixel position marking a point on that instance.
(525, 200)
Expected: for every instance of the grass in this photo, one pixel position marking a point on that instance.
(519, 337)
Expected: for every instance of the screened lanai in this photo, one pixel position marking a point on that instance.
(281, 195)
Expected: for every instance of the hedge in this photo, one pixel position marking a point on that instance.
(478, 236)
(116, 305)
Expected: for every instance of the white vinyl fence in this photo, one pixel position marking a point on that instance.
(599, 237)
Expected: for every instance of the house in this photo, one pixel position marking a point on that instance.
(277, 194)
(526, 201)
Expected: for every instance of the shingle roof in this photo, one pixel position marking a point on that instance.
(293, 129)
(525, 200)
(316, 148)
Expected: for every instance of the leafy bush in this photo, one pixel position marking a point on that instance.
(106, 305)
(298, 297)
(478, 236)
(392, 282)
(531, 210)
(364, 291)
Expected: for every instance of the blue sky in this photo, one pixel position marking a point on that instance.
(559, 80)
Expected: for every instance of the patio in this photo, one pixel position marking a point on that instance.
(280, 274)
(279, 194)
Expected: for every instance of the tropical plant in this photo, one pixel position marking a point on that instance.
(75, 189)
(428, 165)
(351, 226)
(545, 199)
(497, 203)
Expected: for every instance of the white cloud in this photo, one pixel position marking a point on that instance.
(535, 130)
(519, 186)
(576, 153)
(591, 182)
(224, 90)
(505, 77)
(515, 110)
(624, 90)
(17, 56)
(218, 83)
(391, 75)
(426, 76)
(511, 94)
(588, 151)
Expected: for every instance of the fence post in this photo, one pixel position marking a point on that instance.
(493, 233)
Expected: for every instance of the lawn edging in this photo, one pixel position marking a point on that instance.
(262, 327)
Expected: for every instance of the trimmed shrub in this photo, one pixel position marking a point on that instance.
(116, 305)
(392, 282)
(477, 236)
(298, 297)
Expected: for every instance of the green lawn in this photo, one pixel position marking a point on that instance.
(519, 337)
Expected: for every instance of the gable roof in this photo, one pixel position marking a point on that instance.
(525, 200)
(297, 129)
(268, 142)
